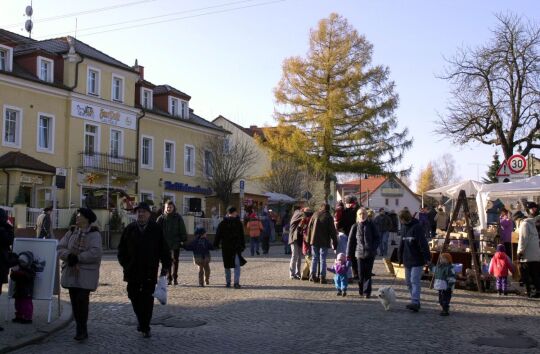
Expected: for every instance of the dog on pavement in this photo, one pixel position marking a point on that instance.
(387, 296)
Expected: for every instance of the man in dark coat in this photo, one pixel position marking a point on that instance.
(413, 254)
(230, 235)
(383, 224)
(6, 240)
(363, 243)
(348, 219)
(141, 248)
(321, 236)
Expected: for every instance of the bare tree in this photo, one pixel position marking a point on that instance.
(286, 177)
(224, 163)
(445, 170)
(496, 94)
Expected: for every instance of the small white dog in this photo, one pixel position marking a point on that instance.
(387, 296)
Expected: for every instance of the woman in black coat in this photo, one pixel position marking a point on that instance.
(230, 234)
(6, 240)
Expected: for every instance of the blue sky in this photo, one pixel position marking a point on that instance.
(230, 62)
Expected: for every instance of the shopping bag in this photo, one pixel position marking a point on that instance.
(160, 292)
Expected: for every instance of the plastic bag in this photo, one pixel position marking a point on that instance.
(160, 292)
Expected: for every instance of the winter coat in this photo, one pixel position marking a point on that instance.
(44, 226)
(507, 226)
(445, 272)
(442, 220)
(254, 227)
(200, 246)
(230, 235)
(413, 249)
(528, 244)
(6, 240)
(322, 231)
(383, 223)
(174, 229)
(348, 219)
(295, 230)
(500, 265)
(24, 282)
(87, 246)
(339, 268)
(141, 250)
(268, 227)
(363, 240)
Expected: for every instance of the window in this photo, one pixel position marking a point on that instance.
(45, 69)
(208, 164)
(6, 58)
(12, 127)
(146, 98)
(45, 138)
(117, 146)
(147, 149)
(117, 91)
(173, 106)
(184, 110)
(397, 202)
(185, 204)
(169, 156)
(168, 196)
(146, 196)
(91, 136)
(93, 81)
(189, 160)
(386, 202)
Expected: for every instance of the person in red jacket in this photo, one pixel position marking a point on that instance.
(499, 266)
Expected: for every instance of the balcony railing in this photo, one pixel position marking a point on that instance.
(101, 163)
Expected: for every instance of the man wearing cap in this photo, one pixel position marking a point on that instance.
(230, 236)
(141, 248)
(532, 208)
(44, 224)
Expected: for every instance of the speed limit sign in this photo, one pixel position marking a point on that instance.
(517, 163)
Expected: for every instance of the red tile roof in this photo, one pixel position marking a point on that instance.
(370, 184)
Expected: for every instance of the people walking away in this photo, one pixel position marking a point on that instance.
(44, 227)
(322, 235)
(383, 224)
(306, 248)
(528, 253)
(499, 267)
(230, 235)
(413, 253)
(254, 228)
(340, 269)
(6, 241)
(201, 254)
(268, 231)
(432, 223)
(285, 225)
(441, 219)
(507, 226)
(23, 276)
(142, 247)
(295, 243)
(348, 219)
(445, 280)
(80, 250)
(174, 230)
(363, 244)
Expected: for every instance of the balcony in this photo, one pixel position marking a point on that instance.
(103, 163)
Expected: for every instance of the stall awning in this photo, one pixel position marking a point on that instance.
(279, 198)
(452, 190)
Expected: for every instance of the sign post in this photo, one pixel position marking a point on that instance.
(242, 189)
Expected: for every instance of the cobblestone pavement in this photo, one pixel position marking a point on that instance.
(273, 314)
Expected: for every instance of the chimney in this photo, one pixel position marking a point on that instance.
(252, 127)
(139, 68)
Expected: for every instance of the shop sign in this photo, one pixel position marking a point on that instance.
(99, 114)
(184, 187)
(391, 191)
(31, 179)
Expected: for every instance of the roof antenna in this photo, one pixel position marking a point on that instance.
(28, 25)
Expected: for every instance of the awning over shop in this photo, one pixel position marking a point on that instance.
(279, 198)
(16, 159)
(452, 190)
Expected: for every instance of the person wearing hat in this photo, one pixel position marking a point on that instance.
(44, 227)
(80, 251)
(23, 276)
(142, 247)
(175, 233)
(383, 224)
(201, 254)
(528, 252)
(6, 240)
(230, 235)
(532, 209)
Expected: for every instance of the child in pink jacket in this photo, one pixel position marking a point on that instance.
(499, 267)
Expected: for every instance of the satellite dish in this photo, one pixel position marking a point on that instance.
(28, 25)
(29, 11)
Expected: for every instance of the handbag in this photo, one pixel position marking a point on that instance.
(160, 292)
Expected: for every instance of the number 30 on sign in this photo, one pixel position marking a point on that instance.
(517, 163)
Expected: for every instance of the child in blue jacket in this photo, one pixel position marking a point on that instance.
(201, 254)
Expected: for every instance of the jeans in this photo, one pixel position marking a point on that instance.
(142, 300)
(80, 299)
(412, 277)
(383, 247)
(175, 255)
(365, 267)
(444, 298)
(319, 255)
(236, 272)
(341, 282)
(296, 259)
(254, 245)
(265, 243)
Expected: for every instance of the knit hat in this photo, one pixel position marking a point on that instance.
(26, 259)
(341, 257)
(199, 231)
(88, 214)
(501, 248)
(231, 210)
(144, 206)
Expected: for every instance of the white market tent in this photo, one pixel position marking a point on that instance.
(452, 190)
(525, 188)
(279, 198)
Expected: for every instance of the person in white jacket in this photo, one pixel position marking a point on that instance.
(529, 254)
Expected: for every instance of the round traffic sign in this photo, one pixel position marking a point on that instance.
(517, 163)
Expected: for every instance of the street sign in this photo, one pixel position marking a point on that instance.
(242, 184)
(517, 163)
(503, 170)
(60, 171)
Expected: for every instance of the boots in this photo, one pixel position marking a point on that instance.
(323, 280)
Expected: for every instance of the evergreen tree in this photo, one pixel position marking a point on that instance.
(492, 171)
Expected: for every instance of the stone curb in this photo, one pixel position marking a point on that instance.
(41, 332)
